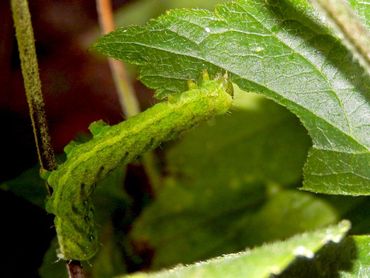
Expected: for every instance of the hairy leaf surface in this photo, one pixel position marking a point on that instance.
(215, 202)
(262, 261)
(281, 49)
(224, 154)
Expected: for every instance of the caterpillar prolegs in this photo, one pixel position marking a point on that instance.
(74, 181)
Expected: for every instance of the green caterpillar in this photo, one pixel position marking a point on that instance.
(74, 181)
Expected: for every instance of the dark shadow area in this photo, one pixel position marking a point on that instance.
(327, 263)
(25, 235)
(356, 209)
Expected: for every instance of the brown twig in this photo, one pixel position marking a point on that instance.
(126, 93)
(75, 269)
(129, 103)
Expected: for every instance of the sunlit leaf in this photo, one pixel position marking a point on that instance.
(259, 262)
(281, 49)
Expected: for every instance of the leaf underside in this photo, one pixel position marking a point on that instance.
(187, 210)
(280, 49)
(262, 261)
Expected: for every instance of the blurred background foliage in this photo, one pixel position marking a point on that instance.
(225, 186)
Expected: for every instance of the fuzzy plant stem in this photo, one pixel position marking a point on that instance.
(32, 84)
(349, 28)
(30, 72)
(126, 93)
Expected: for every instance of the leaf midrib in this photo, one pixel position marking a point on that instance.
(263, 86)
(348, 132)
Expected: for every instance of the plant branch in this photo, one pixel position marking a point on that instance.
(129, 103)
(349, 28)
(30, 72)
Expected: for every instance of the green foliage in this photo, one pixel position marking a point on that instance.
(220, 198)
(231, 183)
(280, 49)
(74, 181)
(361, 264)
(109, 261)
(52, 267)
(201, 234)
(267, 260)
(108, 199)
(29, 186)
(233, 148)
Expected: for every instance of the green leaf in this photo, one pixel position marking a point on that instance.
(280, 49)
(109, 261)
(223, 154)
(29, 186)
(362, 9)
(200, 235)
(264, 261)
(361, 265)
(52, 267)
(110, 196)
(187, 214)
